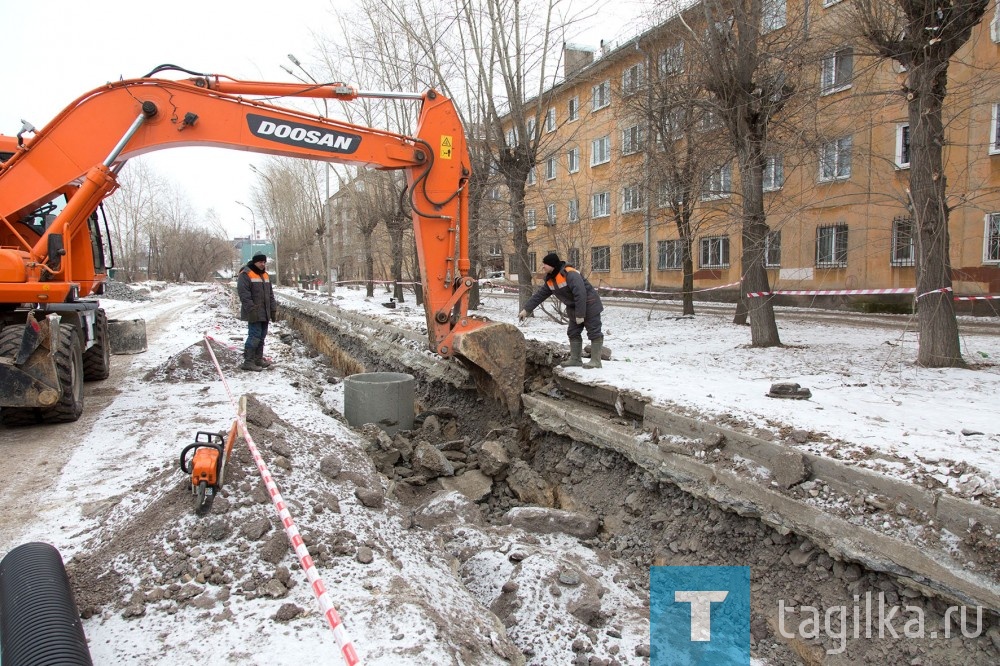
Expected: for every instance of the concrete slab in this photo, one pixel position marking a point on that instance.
(934, 567)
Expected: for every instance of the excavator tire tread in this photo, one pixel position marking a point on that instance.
(69, 366)
(97, 359)
(10, 342)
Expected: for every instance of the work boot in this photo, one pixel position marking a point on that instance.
(248, 364)
(262, 362)
(596, 347)
(575, 350)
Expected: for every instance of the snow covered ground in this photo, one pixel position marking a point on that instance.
(870, 404)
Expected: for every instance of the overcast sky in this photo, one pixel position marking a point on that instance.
(59, 50)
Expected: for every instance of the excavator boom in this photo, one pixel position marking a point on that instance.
(80, 152)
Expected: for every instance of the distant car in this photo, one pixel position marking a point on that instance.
(494, 278)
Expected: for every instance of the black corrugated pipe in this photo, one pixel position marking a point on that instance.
(39, 622)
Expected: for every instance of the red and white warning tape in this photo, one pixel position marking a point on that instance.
(291, 531)
(604, 288)
(859, 292)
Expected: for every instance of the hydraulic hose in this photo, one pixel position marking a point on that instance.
(39, 621)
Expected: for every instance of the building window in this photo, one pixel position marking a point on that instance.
(601, 95)
(838, 70)
(600, 151)
(772, 249)
(709, 121)
(675, 122)
(550, 120)
(672, 60)
(714, 252)
(903, 146)
(495, 193)
(573, 109)
(774, 173)
(573, 211)
(573, 159)
(529, 219)
(532, 262)
(991, 244)
(831, 246)
(550, 169)
(511, 137)
(632, 79)
(495, 250)
(995, 130)
(509, 224)
(600, 258)
(574, 257)
(550, 215)
(835, 159)
(631, 199)
(903, 247)
(668, 193)
(532, 177)
(773, 15)
(601, 204)
(632, 257)
(669, 255)
(718, 184)
(531, 129)
(632, 139)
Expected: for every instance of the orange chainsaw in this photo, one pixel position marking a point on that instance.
(207, 465)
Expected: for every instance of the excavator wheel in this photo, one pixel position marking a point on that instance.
(97, 359)
(10, 342)
(69, 366)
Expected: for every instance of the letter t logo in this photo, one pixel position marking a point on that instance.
(701, 610)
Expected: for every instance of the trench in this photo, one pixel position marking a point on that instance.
(816, 596)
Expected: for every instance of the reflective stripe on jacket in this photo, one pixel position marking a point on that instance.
(256, 296)
(572, 289)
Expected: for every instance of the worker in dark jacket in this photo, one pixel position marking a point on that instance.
(257, 308)
(583, 307)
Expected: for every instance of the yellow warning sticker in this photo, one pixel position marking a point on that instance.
(446, 146)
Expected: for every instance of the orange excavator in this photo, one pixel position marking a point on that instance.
(55, 246)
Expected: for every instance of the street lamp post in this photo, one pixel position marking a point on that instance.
(273, 232)
(326, 201)
(253, 228)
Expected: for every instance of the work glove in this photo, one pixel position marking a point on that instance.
(522, 315)
(579, 321)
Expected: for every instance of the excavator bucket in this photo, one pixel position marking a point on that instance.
(127, 336)
(495, 354)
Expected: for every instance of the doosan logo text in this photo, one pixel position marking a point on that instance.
(295, 134)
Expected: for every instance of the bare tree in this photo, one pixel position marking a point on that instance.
(749, 61)
(668, 111)
(923, 37)
(131, 210)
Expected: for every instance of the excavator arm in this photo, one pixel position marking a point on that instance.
(81, 151)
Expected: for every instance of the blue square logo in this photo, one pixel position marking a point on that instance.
(699, 615)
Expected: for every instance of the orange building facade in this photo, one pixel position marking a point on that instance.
(836, 207)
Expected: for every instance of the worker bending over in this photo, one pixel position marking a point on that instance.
(583, 307)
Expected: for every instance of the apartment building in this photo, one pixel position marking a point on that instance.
(836, 205)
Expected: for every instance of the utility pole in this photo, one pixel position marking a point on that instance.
(273, 232)
(326, 172)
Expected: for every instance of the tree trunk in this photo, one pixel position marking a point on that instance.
(763, 328)
(396, 247)
(939, 344)
(687, 288)
(369, 265)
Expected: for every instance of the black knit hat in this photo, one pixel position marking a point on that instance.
(551, 259)
(258, 257)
